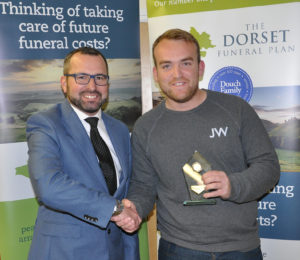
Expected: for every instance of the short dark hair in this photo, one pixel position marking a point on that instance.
(82, 50)
(177, 34)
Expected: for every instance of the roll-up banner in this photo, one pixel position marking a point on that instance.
(252, 49)
(35, 36)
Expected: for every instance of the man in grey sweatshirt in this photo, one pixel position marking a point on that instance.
(226, 131)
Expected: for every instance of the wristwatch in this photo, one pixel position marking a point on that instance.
(119, 208)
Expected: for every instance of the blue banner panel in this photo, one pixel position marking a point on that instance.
(279, 211)
(51, 29)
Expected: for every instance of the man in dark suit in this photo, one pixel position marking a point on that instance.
(78, 205)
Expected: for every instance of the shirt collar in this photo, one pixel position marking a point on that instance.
(83, 115)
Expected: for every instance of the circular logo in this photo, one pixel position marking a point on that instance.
(232, 80)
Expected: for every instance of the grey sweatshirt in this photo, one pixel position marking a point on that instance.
(229, 134)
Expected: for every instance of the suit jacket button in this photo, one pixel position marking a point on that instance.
(108, 231)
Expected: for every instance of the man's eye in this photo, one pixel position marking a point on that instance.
(100, 77)
(187, 63)
(165, 66)
(82, 77)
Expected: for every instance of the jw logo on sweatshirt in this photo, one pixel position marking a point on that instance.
(218, 132)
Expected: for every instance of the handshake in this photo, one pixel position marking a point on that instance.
(129, 220)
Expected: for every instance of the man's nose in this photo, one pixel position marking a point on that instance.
(177, 71)
(92, 84)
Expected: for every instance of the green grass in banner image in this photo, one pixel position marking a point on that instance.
(17, 220)
(289, 160)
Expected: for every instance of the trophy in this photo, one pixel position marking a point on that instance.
(193, 171)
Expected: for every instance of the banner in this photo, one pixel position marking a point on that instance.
(252, 49)
(35, 36)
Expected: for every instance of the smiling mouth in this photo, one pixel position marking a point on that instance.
(178, 84)
(90, 96)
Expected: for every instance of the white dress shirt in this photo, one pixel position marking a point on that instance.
(103, 133)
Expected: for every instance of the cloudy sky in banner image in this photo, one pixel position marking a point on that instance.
(31, 75)
(277, 104)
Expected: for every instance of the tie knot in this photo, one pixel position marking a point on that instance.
(93, 121)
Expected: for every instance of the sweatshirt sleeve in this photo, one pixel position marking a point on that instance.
(142, 189)
(263, 169)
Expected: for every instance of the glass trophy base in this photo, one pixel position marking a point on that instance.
(199, 202)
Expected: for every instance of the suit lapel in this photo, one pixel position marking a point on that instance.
(82, 141)
(115, 137)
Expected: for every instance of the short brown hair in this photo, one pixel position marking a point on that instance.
(177, 34)
(82, 50)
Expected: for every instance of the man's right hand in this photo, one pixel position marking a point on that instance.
(128, 219)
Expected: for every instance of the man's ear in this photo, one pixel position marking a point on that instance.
(63, 84)
(154, 73)
(201, 69)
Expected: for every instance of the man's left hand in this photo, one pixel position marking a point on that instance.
(219, 184)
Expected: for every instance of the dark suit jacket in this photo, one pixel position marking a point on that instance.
(73, 219)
